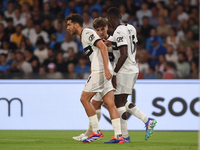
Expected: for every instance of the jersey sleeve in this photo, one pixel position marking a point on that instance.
(91, 37)
(120, 38)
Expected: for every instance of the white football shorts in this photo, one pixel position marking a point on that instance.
(97, 82)
(125, 83)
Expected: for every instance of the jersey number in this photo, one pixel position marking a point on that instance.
(88, 50)
(134, 44)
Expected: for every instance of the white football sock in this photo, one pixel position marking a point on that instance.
(89, 131)
(136, 112)
(117, 127)
(123, 122)
(93, 121)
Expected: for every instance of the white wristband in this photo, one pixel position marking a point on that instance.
(114, 74)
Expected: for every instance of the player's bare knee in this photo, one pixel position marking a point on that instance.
(131, 105)
(124, 116)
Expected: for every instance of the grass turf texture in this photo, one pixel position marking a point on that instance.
(62, 140)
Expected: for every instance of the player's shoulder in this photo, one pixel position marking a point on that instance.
(88, 31)
(110, 38)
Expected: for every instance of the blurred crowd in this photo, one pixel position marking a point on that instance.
(34, 42)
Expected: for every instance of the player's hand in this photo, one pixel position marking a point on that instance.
(107, 43)
(138, 62)
(108, 74)
(114, 82)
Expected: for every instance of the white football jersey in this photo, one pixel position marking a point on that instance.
(125, 35)
(110, 52)
(89, 38)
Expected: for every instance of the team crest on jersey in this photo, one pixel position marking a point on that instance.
(91, 37)
(120, 39)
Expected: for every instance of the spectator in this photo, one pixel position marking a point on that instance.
(94, 14)
(143, 12)
(144, 66)
(172, 20)
(37, 17)
(145, 28)
(153, 33)
(131, 8)
(181, 14)
(47, 13)
(141, 50)
(163, 28)
(59, 18)
(4, 66)
(71, 71)
(189, 55)
(182, 66)
(193, 25)
(5, 47)
(52, 73)
(88, 22)
(173, 39)
(194, 69)
(41, 52)
(30, 2)
(55, 9)
(51, 58)
(125, 16)
(151, 3)
(171, 72)
(3, 35)
(42, 72)
(171, 6)
(21, 65)
(94, 6)
(69, 43)
(155, 50)
(10, 28)
(26, 32)
(162, 11)
(171, 54)
(26, 11)
(187, 6)
(53, 41)
(72, 7)
(48, 28)
(10, 12)
(71, 57)
(133, 20)
(160, 67)
(12, 59)
(2, 19)
(189, 42)
(60, 34)
(153, 20)
(82, 69)
(61, 65)
(195, 14)
(183, 29)
(151, 73)
(32, 59)
(17, 37)
(37, 32)
(18, 18)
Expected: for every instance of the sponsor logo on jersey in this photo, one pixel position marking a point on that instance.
(120, 39)
(91, 38)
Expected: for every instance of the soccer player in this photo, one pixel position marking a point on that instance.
(126, 70)
(99, 80)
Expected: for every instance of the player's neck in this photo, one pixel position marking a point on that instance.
(117, 23)
(79, 31)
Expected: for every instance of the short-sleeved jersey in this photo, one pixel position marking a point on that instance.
(125, 35)
(110, 52)
(89, 38)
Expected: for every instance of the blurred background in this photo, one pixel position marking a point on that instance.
(34, 42)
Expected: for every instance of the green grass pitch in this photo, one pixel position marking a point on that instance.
(62, 140)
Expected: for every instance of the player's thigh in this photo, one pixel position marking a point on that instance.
(108, 99)
(86, 96)
(97, 101)
(120, 100)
